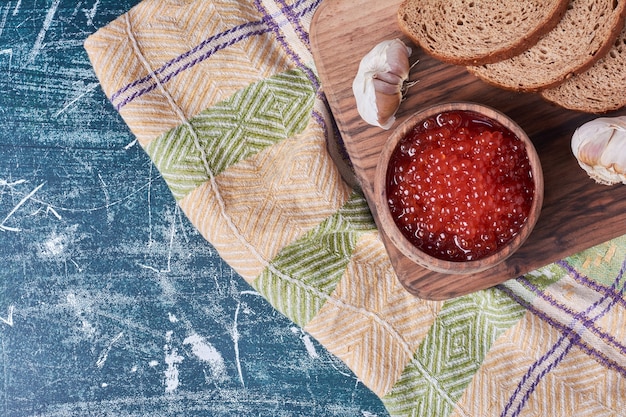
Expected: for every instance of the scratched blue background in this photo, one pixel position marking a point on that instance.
(110, 302)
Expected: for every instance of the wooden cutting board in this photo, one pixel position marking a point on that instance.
(577, 213)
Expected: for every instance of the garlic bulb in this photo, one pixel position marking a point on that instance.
(600, 148)
(379, 82)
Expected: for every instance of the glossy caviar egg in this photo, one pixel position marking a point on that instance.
(459, 186)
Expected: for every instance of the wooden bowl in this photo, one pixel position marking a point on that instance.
(439, 263)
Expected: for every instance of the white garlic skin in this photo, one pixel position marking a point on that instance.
(378, 84)
(600, 148)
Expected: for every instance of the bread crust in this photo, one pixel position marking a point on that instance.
(583, 36)
(600, 89)
(469, 35)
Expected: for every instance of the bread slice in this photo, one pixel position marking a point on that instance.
(584, 34)
(600, 89)
(469, 32)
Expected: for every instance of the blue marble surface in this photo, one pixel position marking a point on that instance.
(111, 304)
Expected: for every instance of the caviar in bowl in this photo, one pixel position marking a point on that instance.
(458, 187)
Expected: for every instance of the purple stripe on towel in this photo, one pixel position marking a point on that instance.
(562, 342)
(611, 293)
(593, 284)
(599, 356)
(192, 51)
(215, 43)
(293, 19)
(569, 338)
(153, 85)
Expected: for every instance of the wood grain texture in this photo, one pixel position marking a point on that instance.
(577, 213)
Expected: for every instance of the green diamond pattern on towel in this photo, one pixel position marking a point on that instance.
(453, 351)
(260, 115)
(307, 271)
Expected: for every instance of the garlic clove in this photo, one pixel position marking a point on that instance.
(386, 106)
(600, 148)
(378, 84)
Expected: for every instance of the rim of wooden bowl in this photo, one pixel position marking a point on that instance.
(403, 244)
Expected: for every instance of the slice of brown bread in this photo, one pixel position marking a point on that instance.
(476, 32)
(584, 34)
(600, 89)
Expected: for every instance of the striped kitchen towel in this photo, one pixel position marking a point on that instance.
(224, 97)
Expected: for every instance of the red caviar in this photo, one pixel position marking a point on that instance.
(460, 186)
